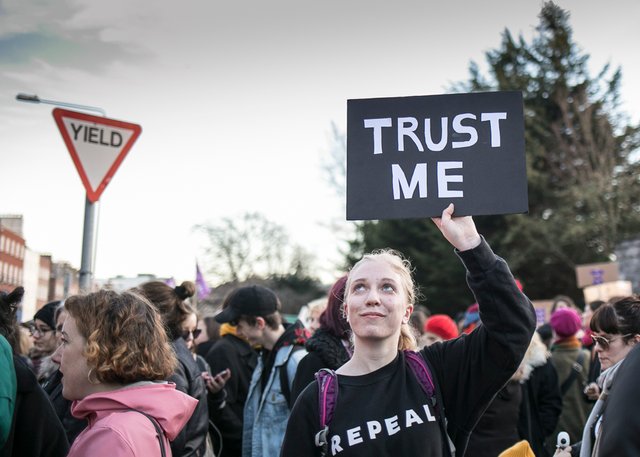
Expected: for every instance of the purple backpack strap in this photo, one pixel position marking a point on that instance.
(420, 369)
(327, 400)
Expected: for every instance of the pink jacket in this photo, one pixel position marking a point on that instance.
(116, 431)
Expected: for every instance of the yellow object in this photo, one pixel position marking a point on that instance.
(520, 449)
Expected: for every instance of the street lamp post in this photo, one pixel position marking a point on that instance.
(89, 230)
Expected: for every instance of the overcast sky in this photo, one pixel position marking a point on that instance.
(236, 101)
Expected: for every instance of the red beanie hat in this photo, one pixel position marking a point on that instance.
(565, 322)
(442, 325)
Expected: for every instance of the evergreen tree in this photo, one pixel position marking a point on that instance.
(583, 180)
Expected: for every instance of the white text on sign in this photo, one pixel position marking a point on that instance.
(407, 126)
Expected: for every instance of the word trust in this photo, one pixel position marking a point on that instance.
(406, 128)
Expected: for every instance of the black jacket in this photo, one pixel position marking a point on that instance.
(497, 429)
(72, 425)
(36, 430)
(621, 421)
(468, 372)
(237, 355)
(192, 439)
(540, 409)
(324, 350)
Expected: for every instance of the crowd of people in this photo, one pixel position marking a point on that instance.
(367, 371)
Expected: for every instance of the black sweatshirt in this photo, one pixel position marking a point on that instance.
(386, 413)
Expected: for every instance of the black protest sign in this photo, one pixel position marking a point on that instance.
(409, 157)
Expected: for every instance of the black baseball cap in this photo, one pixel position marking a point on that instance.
(248, 301)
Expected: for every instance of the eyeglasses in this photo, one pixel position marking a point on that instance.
(42, 331)
(196, 333)
(606, 342)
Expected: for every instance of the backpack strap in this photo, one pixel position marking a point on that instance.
(422, 373)
(327, 400)
(285, 386)
(576, 369)
(159, 432)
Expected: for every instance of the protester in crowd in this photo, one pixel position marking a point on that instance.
(254, 310)
(572, 364)
(43, 332)
(35, 429)
(497, 429)
(53, 386)
(176, 315)
(527, 407)
(541, 398)
(546, 334)
(114, 356)
(619, 436)
(190, 332)
(381, 406)
(471, 319)
(230, 357)
(592, 391)
(314, 309)
(616, 332)
(209, 334)
(418, 319)
(438, 327)
(563, 301)
(329, 347)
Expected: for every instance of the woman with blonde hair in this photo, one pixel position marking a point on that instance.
(114, 357)
(381, 406)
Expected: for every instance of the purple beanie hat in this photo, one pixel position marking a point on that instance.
(565, 322)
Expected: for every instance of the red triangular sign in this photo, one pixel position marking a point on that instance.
(97, 145)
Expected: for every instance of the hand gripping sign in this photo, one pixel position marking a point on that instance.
(97, 145)
(409, 157)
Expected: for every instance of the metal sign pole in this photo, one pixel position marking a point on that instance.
(88, 235)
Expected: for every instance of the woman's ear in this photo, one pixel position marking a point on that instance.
(407, 314)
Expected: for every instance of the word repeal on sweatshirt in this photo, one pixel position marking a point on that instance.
(409, 157)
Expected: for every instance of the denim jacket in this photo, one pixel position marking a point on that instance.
(266, 415)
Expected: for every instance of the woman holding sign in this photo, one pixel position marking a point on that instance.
(390, 400)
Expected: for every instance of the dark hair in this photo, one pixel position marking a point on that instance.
(212, 326)
(125, 337)
(56, 314)
(562, 298)
(620, 317)
(332, 318)
(8, 326)
(273, 321)
(594, 305)
(170, 301)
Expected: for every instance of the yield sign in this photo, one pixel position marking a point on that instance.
(97, 145)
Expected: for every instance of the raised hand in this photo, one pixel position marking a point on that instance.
(461, 232)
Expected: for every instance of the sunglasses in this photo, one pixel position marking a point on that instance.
(195, 334)
(606, 342)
